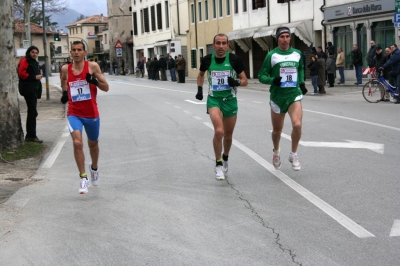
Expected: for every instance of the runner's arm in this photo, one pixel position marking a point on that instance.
(200, 78)
(96, 72)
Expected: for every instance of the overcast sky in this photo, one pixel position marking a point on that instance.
(89, 7)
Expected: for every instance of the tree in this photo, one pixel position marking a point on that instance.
(80, 18)
(11, 133)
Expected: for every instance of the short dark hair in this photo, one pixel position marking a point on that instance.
(221, 35)
(395, 45)
(79, 42)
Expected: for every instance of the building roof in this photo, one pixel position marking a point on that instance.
(35, 28)
(95, 19)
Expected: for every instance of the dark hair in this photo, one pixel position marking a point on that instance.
(28, 52)
(313, 56)
(395, 45)
(79, 42)
(221, 35)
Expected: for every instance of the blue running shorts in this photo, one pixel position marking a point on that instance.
(92, 126)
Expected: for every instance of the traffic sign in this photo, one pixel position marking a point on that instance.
(397, 24)
(397, 17)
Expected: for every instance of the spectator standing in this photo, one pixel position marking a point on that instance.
(181, 69)
(330, 69)
(320, 53)
(340, 63)
(171, 66)
(30, 87)
(140, 66)
(321, 75)
(394, 63)
(123, 66)
(379, 60)
(388, 53)
(371, 54)
(148, 67)
(154, 68)
(357, 63)
(313, 66)
(162, 63)
(115, 67)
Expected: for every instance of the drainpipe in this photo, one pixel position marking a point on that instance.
(323, 22)
(269, 21)
(177, 12)
(289, 11)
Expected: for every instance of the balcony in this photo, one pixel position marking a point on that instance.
(98, 50)
(61, 55)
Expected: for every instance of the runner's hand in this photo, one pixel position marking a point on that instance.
(233, 82)
(64, 97)
(277, 81)
(91, 79)
(199, 95)
(303, 88)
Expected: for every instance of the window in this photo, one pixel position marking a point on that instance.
(135, 29)
(193, 58)
(146, 20)
(200, 15)
(235, 6)
(105, 39)
(166, 15)
(153, 18)
(201, 54)
(258, 4)
(228, 7)
(159, 17)
(221, 13)
(383, 33)
(244, 5)
(192, 14)
(214, 7)
(343, 37)
(206, 10)
(81, 29)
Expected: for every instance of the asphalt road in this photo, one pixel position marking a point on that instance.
(158, 202)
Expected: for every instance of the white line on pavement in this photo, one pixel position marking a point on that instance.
(339, 217)
(198, 117)
(52, 157)
(353, 119)
(395, 228)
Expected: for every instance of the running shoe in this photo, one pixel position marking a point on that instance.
(84, 184)
(294, 159)
(219, 173)
(94, 175)
(225, 167)
(276, 161)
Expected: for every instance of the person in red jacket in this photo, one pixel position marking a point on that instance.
(79, 82)
(30, 87)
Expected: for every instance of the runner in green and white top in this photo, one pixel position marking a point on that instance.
(283, 69)
(223, 69)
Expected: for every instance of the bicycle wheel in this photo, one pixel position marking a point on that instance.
(127, 71)
(373, 91)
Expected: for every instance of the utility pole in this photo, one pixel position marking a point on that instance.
(46, 61)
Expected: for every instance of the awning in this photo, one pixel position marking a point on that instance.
(240, 34)
(264, 32)
(303, 30)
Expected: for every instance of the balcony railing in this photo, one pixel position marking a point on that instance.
(98, 50)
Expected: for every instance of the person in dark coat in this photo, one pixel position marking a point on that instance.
(30, 87)
(371, 54)
(171, 67)
(314, 66)
(181, 65)
(123, 66)
(154, 69)
(379, 60)
(162, 64)
(357, 63)
(140, 66)
(330, 69)
(321, 75)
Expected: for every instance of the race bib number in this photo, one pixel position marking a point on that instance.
(80, 90)
(289, 77)
(219, 80)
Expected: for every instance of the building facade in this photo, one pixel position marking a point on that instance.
(159, 28)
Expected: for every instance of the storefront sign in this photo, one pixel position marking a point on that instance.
(359, 9)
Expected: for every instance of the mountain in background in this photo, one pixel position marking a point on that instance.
(65, 18)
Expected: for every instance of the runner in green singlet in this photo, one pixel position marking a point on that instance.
(225, 73)
(283, 69)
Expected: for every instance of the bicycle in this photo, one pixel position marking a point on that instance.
(374, 90)
(127, 71)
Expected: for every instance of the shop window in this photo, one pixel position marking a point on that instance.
(343, 37)
(258, 4)
(383, 33)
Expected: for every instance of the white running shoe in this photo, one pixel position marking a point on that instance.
(84, 184)
(94, 175)
(276, 161)
(225, 167)
(219, 173)
(294, 159)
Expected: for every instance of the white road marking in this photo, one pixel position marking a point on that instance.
(65, 134)
(177, 107)
(151, 87)
(395, 228)
(187, 112)
(351, 144)
(257, 102)
(190, 101)
(53, 155)
(339, 217)
(198, 117)
(355, 120)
